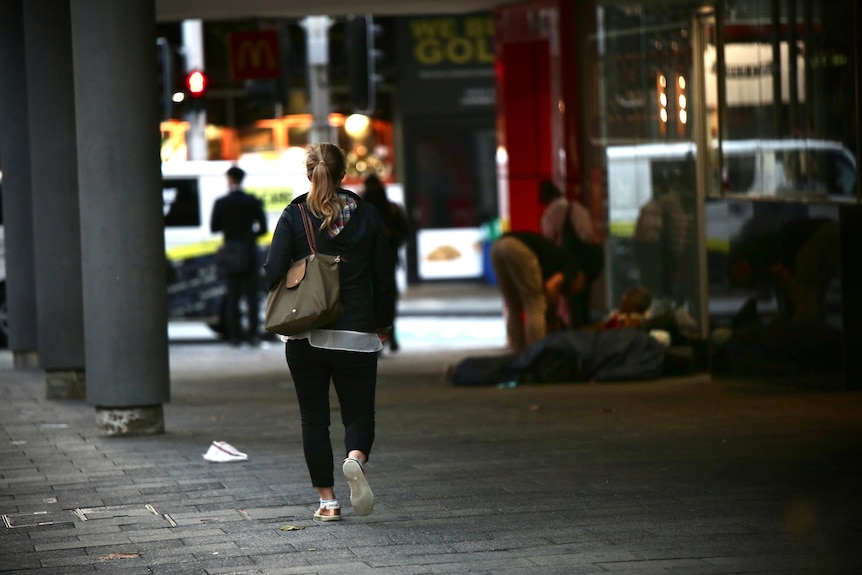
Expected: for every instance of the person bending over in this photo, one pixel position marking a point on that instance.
(533, 274)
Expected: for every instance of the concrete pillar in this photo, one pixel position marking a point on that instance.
(56, 227)
(17, 201)
(850, 218)
(851, 243)
(122, 233)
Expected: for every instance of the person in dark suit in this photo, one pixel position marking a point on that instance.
(240, 217)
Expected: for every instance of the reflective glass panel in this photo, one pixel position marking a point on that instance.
(643, 122)
(789, 122)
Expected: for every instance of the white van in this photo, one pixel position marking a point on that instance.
(189, 191)
(781, 169)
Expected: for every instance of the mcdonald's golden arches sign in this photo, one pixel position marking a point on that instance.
(254, 55)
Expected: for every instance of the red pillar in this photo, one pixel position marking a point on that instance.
(537, 103)
(523, 109)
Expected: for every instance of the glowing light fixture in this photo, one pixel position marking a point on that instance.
(682, 105)
(356, 125)
(661, 93)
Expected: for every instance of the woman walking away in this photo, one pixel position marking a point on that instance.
(344, 352)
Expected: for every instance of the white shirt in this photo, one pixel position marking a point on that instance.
(340, 340)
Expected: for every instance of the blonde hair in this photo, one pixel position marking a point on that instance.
(325, 166)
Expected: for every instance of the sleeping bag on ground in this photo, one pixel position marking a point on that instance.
(570, 356)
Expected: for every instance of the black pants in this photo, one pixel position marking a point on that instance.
(354, 376)
(242, 286)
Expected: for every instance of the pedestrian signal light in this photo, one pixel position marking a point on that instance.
(196, 83)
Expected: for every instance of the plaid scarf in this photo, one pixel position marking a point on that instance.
(340, 220)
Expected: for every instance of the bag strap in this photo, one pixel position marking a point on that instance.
(568, 227)
(309, 233)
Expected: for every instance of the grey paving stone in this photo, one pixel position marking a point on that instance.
(238, 564)
(303, 560)
(19, 563)
(107, 567)
(237, 569)
(55, 570)
(63, 557)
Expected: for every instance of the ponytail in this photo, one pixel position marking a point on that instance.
(325, 166)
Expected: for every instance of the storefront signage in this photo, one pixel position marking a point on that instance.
(254, 55)
(749, 69)
(439, 41)
(449, 63)
(449, 253)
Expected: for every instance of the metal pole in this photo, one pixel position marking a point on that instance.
(776, 70)
(702, 141)
(792, 70)
(808, 46)
(193, 48)
(317, 41)
(167, 75)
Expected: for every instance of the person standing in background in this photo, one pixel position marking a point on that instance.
(240, 217)
(395, 225)
(569, 225)
(345, 352)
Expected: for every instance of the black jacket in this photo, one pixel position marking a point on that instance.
(239, 216)
(365, 270)
(552, 258)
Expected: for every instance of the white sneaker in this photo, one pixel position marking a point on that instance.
(223, 452)
(361, 497)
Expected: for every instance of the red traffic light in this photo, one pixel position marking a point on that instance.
(196, 83)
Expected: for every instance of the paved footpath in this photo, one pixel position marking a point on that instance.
(685, 476)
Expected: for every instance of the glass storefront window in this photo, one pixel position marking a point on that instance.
(704, 112)
(788, 118)
(642, 128)
(646, 73)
